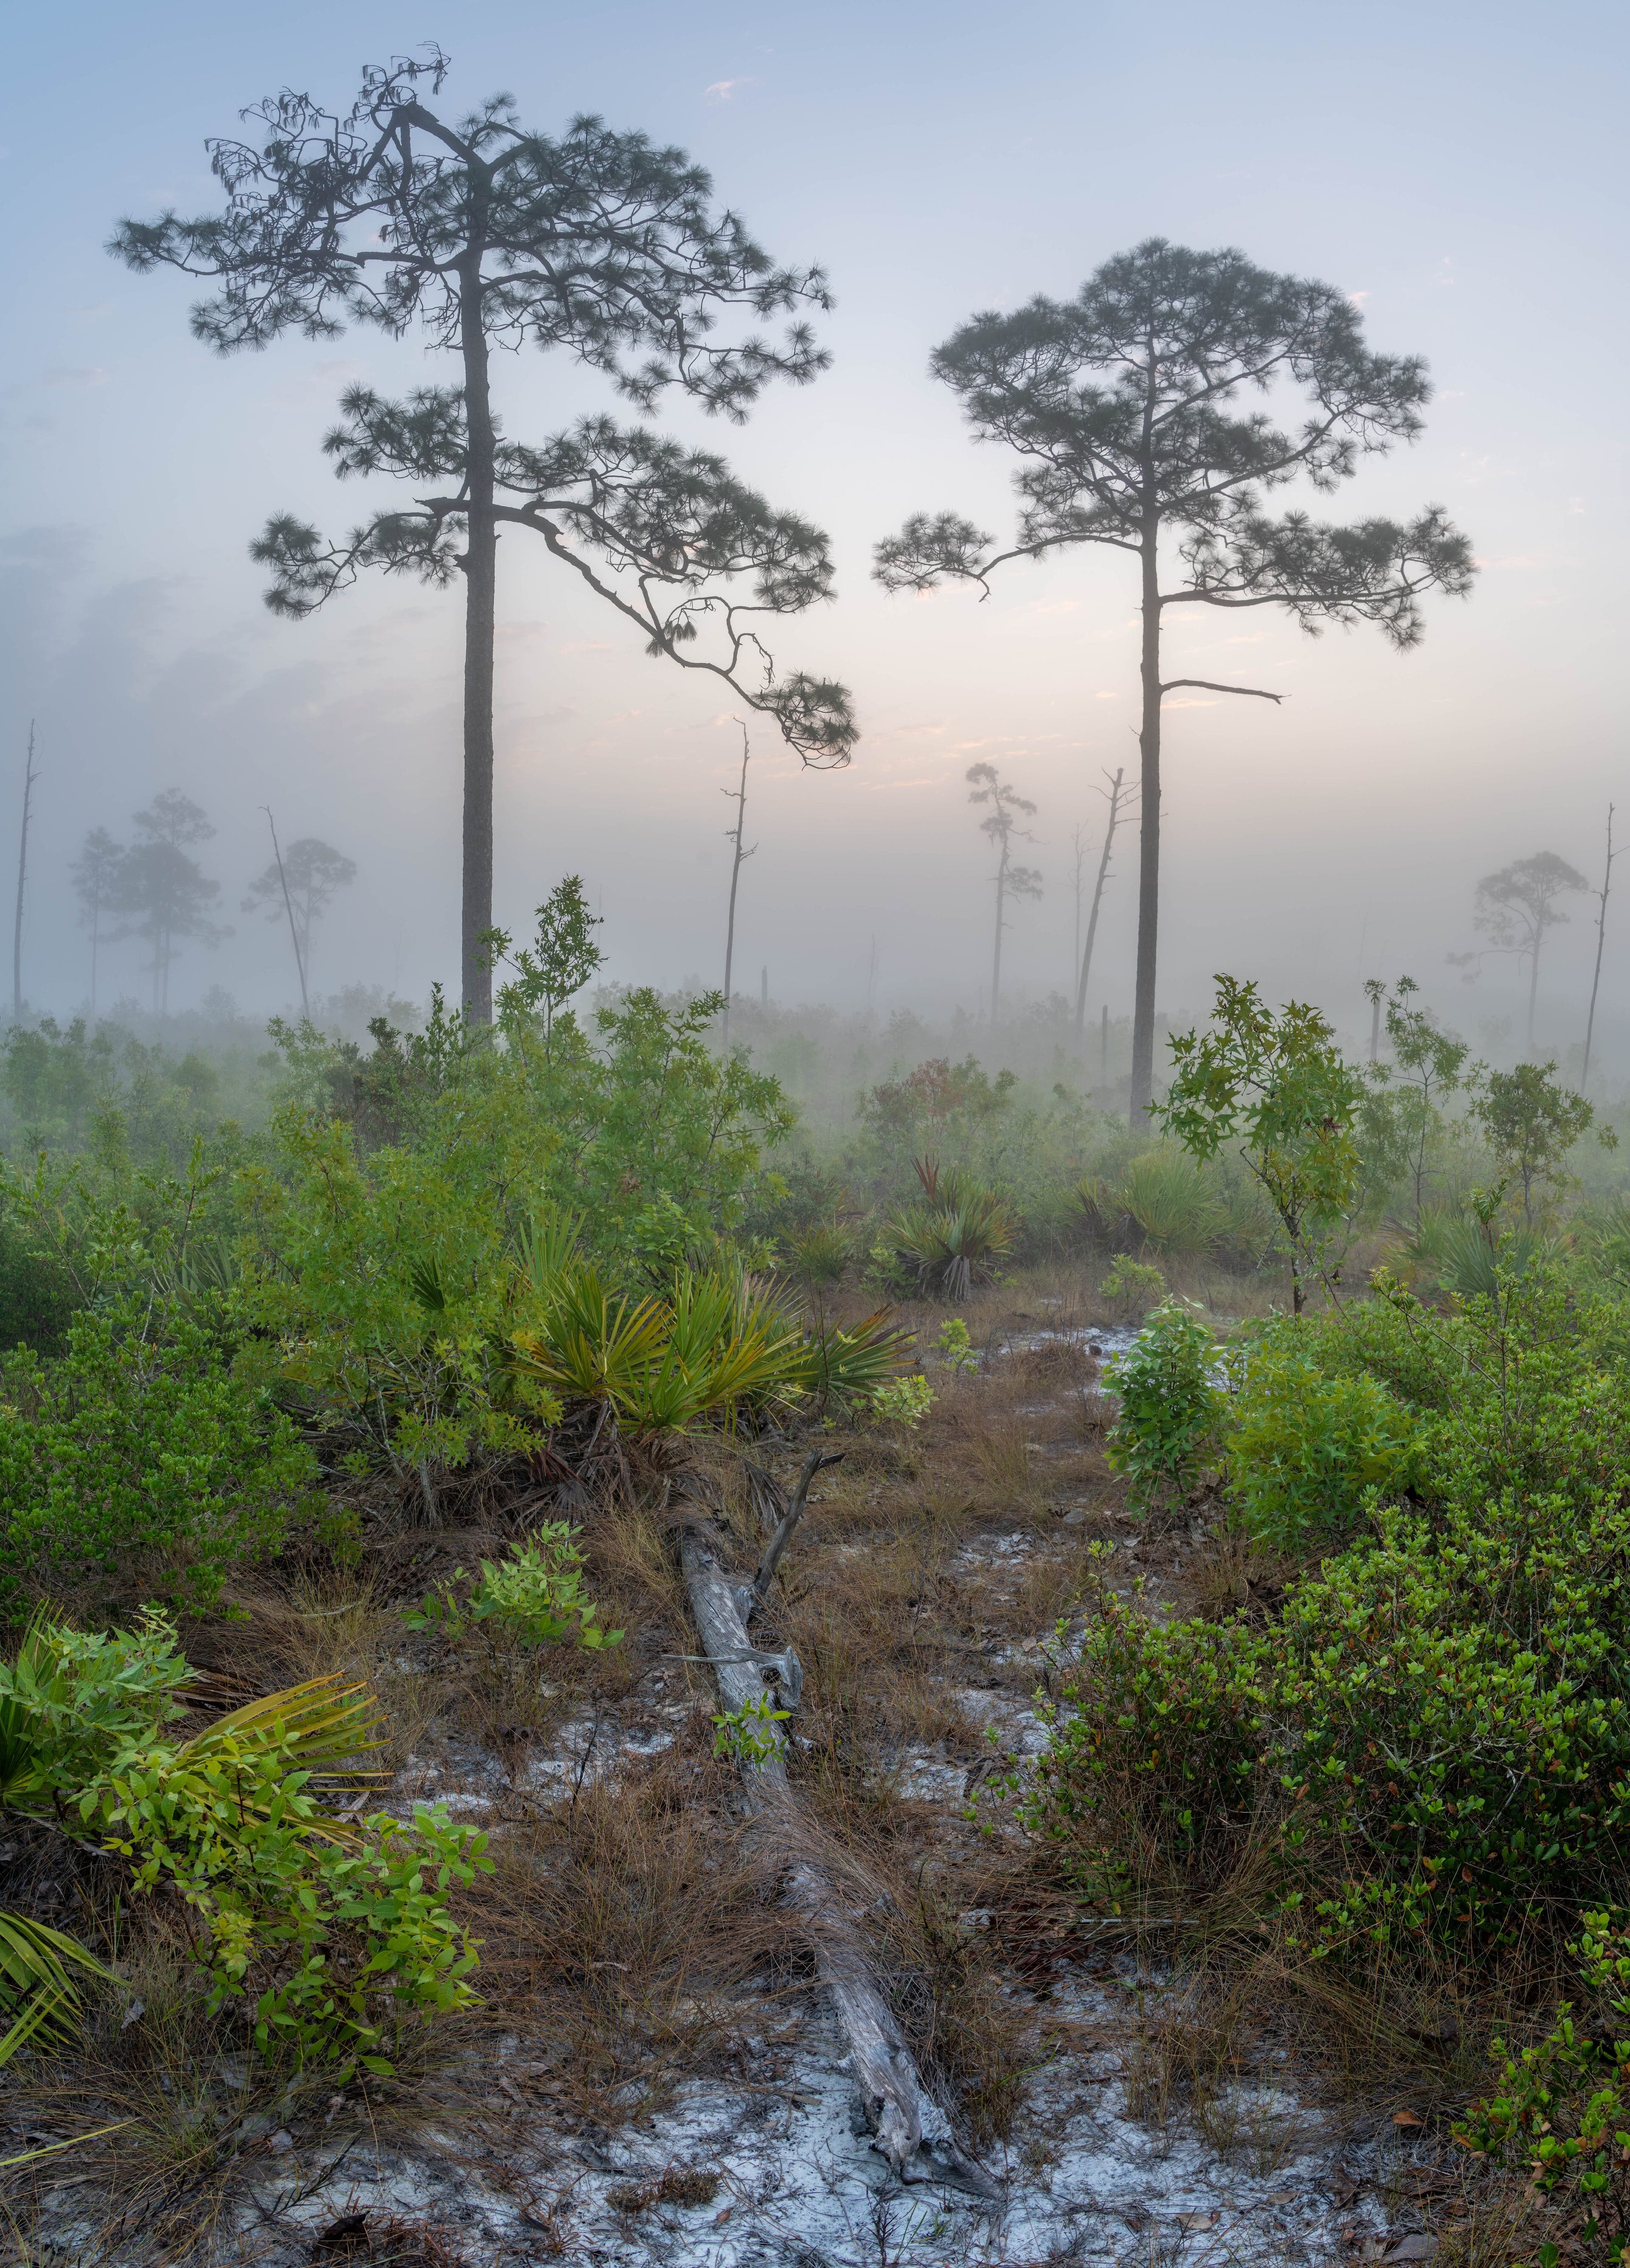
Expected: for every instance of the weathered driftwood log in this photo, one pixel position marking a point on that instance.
(908, 2125)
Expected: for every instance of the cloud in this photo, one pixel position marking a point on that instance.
(722, 89)
(1357, 299)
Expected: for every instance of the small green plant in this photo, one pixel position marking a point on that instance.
(954, 1347)
(751, 1733)
(535, 1594)
(1563, 2107)
(902, 1402)
(1305, 1447)
(1134, 1286)
(1170, 1409)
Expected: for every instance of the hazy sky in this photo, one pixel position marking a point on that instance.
(1458, 165)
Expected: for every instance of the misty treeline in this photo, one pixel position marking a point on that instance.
(154, 888)
(1143, 414)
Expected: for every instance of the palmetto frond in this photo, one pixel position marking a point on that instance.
(39, 1997)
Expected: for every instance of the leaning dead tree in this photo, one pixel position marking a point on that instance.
(907, 2126)
(1601, 939)
(1118, 797)
(740, 856)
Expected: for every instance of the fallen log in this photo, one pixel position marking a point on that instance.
(907, 2126)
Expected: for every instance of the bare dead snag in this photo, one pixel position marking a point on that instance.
(814, 1464)
(908, 2125)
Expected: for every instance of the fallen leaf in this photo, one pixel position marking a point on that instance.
(720, 2219)
(1413, 2248)
(344, 2236)
(508, 2087)
(1198, 2219)
(1407, 2118)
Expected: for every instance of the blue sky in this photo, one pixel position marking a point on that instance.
(1453, 164)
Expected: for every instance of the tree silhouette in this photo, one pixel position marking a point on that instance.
(1010, 881)
(487, 234)
(740, 854)
(1119, 402)
(312, 871)
(1515, 907)
(94, 873)
(1118, 795)
(165, 893)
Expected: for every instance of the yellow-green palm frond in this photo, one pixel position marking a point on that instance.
(38, 1992)
(326, 1727)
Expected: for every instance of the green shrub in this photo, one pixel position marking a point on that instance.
(1132, 1287)
(1562, 2107)
(1438, 1722)
(1303, 1448)
(328, 1936)
(142, 1443)
(535, 1593)
(331, 1938)
(1453, 1737)
(1170, 1409)
(1435, 1729)
(902, 1402)
(1155, 1747)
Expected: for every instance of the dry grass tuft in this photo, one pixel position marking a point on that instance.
(687, 2186)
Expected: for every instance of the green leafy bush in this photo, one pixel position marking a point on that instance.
(332, 1938)
(1170, 1408)
(1438, 1727)
(1304, 1447)
(1132, 1286)
(141, 1445)
(329, 1936)
(902, 1402)
(1148, 1777)
(1563, 2108)
(535, 1593)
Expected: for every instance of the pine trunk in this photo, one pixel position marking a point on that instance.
(1149, 845)
(480, 600)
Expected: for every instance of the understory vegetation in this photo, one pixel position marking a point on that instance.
(342, 1457)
